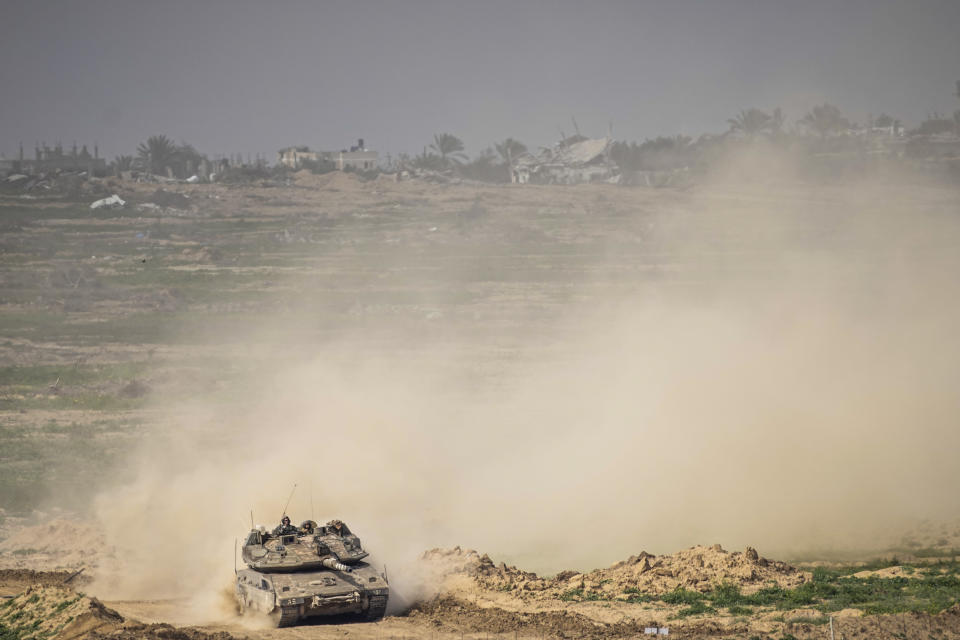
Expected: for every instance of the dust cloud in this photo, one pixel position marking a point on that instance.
(785, 378)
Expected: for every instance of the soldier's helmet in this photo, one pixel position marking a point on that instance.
(285, 520)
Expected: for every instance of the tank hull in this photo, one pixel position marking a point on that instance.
(290, 598)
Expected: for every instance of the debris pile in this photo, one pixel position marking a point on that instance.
(74, 185)
(573, 160)
(113, 202)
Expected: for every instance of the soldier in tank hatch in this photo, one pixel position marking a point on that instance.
(284, 527)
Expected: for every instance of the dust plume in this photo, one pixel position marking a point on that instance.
(784, 377)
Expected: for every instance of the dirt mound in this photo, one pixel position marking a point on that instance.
(57, 544)
(698, 568)
(456, 562)
(58, 613)
(332, 181)
(16, 580)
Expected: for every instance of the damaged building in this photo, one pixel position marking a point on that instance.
(53, 159)
(357, 158)
(296, 157)
(571, 161)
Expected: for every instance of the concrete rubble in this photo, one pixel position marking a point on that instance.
(113, 202)
(571, 161)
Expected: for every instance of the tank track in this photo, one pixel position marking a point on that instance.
(288, 616)
(378, 607)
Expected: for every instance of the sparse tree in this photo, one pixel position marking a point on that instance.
(157, 153)
(509, 149)
(661, 153)
(449, 148)
(825, 119)
(934, 124)
(777, 121)
(485, 168)
(883, 120)
(123, 163)
(426, 160)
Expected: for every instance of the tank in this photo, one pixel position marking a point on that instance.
(296, 573)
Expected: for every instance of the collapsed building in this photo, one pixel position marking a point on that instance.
(571, 161)
(358, 157)
(296, 157)
(53, 159)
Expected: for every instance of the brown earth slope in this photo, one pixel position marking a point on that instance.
(699, 568)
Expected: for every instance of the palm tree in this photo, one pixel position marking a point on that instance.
(123, 163)
(449, 147)
(825, 119)
(751, 121)
(157, 153)
(509, 149)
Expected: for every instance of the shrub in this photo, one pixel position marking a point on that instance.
(682, 596)
(696, 609)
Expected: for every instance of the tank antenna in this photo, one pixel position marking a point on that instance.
(288, 501)
(311, 499)
(234, 556)
(252, 526)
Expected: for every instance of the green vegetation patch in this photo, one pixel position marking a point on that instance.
(60, 458)
(931, 588)
(696, 609)
(932, 591)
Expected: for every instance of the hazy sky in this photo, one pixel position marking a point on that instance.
(231, 76)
